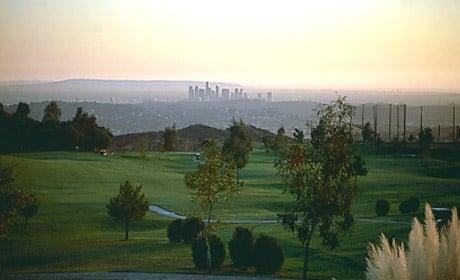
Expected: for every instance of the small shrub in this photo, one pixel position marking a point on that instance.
(175, 231)
(268, 255)
(191, 228)
(403, 207)
(382, 207)
(200, 252)
(414, 204)
(241, 247)
(409, 206)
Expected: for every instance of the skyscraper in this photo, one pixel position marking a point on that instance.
(196, 92)
(269, 96)
(191, 93)
(225, 93)
(207, 91)
(217, 91)
(201, 93)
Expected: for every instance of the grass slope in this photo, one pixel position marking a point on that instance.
(73, 232)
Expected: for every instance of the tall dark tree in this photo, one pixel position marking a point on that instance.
(321, 177)
(170, 138)
(237, 146)
(21, 133)
(367, 133)
(425, 139)
(29, 209)
(22, 111)
(52, 112)
(128, 206)
(88, 134)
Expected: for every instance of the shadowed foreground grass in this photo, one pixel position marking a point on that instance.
(73, 232)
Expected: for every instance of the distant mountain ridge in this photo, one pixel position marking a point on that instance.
(189, 138)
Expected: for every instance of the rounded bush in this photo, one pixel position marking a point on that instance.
(241, 247)
(200, 252)
(409, 206)
(414, 204)
(191, 227)
(268, 255)
(382, 207)
(175, 231)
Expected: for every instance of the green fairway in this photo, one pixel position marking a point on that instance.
(73, 232)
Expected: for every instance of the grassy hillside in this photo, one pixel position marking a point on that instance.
(73, 232)
(189, 138)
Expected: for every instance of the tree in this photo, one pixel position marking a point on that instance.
(238, 146)
(358, 167)
(129, 205)
(280, 140)
(52, 112)
(22, 110)
(367, 133)
(88, 134)
(382, 207)
(29, 209)
(142, 147)
(21, 133)
(268, 143)
(7, 204)
(299, 136)
(425, 139)
(170, 138)
(11, 198)
(321, 177)
(241, 247)
(212, 184)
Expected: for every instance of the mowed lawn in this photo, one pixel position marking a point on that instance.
(73, 232)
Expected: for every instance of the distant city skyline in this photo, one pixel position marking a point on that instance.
(382, 44)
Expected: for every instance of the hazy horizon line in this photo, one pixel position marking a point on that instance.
(293, 88)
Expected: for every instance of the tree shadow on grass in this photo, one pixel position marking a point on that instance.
(80, 255)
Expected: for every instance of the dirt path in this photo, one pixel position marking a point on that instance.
(168, 213)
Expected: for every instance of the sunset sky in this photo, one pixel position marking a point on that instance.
(367, 44)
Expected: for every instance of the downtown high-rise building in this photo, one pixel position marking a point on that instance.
(195, 93)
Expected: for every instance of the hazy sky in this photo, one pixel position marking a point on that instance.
(310, 44)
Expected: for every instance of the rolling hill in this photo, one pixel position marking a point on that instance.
(189, 138)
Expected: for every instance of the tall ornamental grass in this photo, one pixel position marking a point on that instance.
(430, 255)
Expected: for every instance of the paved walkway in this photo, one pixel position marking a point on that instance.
(168, 213)
(124, 276)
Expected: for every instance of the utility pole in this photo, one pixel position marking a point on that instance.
(404, 124)
(389, 123)
(362, 116)
(439, 133)
(421, 119)
(375, 121)
(454, 136)
(397, 122)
